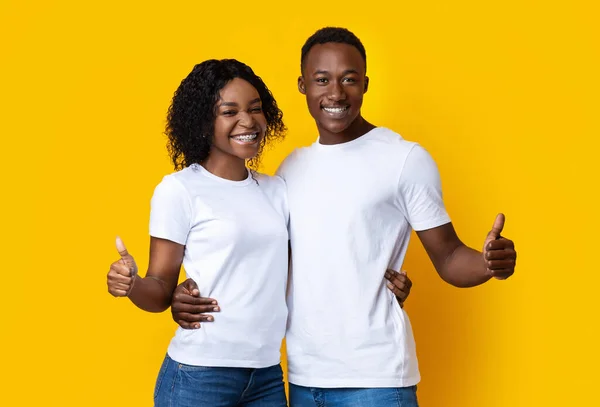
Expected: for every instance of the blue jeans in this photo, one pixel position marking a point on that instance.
(180, 385)
(350, 397)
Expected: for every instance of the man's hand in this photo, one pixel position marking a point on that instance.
(188, 308)
(499, 252)
(399, 284)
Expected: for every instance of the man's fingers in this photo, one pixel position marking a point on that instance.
(188, 299)
(397, 279)
(500, 244)
(189, 325)
(500, 264)
(191, 321)
(194, 309)
(397, 292)
(399, 274)
(408, 282)
(500, 254)
(503, 274)
(397, 284)
(187, 317)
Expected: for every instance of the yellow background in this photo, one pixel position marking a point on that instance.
(504, 95)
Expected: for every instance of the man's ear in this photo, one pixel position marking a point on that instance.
(301, 86)
(366, 84)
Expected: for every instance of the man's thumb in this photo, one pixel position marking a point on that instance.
(498, 226)
(191, 286)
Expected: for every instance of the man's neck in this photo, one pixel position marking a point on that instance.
(357, 129)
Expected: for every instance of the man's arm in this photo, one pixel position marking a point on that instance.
(462, 266)
(420, 193)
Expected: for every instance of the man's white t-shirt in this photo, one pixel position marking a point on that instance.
(352, 208)
(236, 250)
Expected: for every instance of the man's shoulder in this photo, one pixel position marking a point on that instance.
(390, 139)
(269, 181)
(294, 160)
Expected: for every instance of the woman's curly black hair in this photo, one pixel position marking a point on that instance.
(191, 116)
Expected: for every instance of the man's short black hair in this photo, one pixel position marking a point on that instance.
(332, 34)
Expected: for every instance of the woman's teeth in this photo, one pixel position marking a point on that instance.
(245, 137)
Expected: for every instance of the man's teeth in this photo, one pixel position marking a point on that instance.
(335, 109)
(246, 137)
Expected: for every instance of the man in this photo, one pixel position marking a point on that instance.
(354, 197)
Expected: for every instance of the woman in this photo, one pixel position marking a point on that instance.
(227, 225)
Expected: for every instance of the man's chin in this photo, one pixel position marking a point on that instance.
(335, 126)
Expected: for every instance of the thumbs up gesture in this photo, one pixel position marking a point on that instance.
(122, 272)
(499, 252)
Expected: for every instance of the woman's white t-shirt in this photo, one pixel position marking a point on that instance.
(236, 250)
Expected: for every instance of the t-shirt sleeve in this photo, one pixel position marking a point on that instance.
(171, 211)
(420, 191)
(285, 165)
(276, 191)
(283, 173)
(284, 202)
